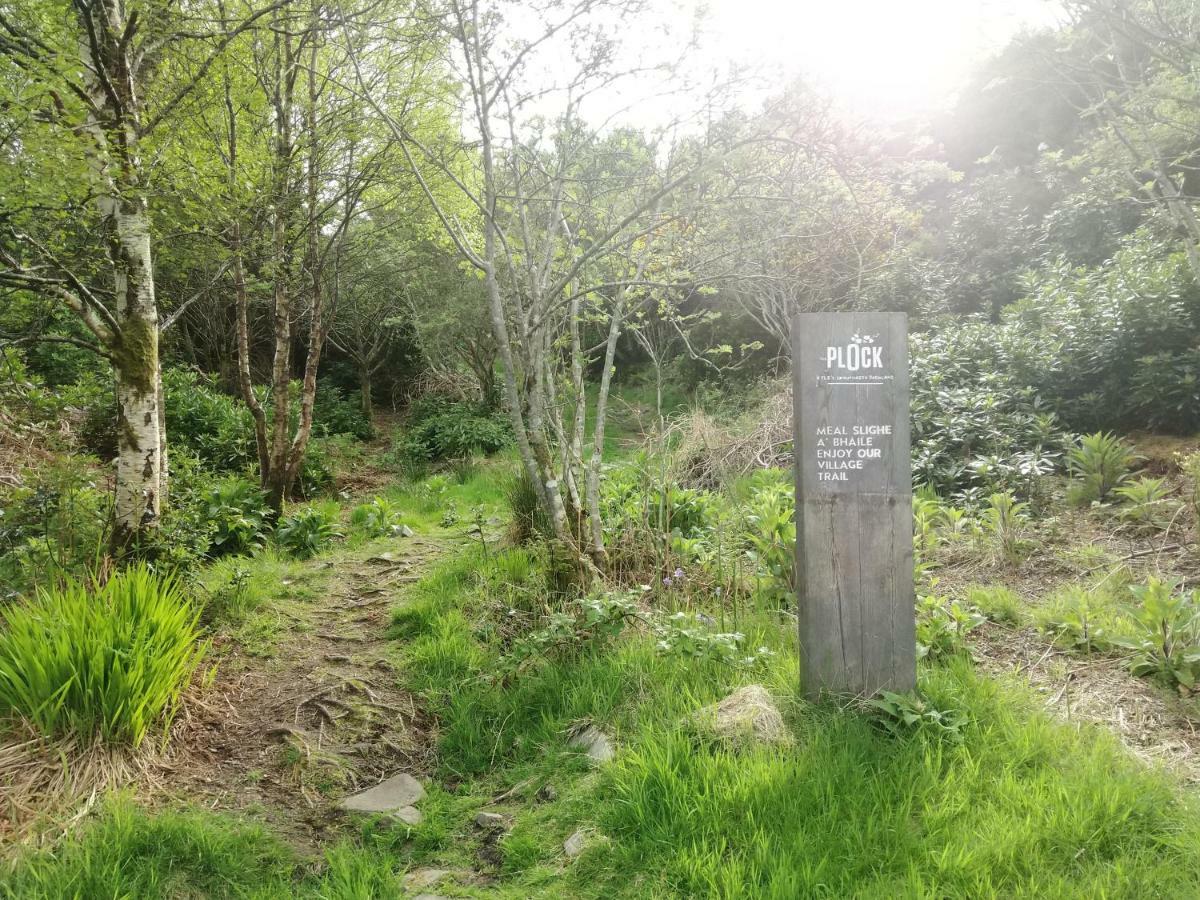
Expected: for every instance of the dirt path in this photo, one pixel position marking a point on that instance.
(286, 736)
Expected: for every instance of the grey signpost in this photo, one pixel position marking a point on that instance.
(854, 549)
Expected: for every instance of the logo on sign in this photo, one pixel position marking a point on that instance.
(861, 353)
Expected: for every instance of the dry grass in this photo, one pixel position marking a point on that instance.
(1097, 690)
(708, 453)
(48, 785)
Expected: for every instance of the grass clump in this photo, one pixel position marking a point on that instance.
(99, 662)
(999, 603)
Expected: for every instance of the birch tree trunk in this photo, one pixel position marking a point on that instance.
(113, 153)
(140, 480)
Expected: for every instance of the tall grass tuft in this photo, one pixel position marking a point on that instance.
(101, 663)
(528, 519)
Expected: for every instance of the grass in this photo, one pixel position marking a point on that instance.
(1022, 806)
(126, 852)
(99, 662)
(998, 603)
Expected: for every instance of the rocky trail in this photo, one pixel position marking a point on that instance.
(294, 734)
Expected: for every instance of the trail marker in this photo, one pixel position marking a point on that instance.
(854, 541)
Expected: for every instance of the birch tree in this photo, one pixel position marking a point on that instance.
(564, 221)
(90, 75)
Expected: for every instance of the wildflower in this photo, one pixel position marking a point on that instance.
(667, 581)
(678, 574)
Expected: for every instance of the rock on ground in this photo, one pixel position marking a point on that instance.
(423, 878)
(409, 815)
(598, 745)
(490, 820)
(748, 714)
(392, 795)
(576, 843)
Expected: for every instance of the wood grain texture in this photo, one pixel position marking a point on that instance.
(854, 551)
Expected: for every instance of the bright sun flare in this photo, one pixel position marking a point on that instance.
(885, 57)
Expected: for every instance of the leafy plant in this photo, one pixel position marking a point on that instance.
(1100, 464)
(1005, 520)
(1077, 618)
(589, 622)
(942, 626)
(238, 510)
(1166, 640)
(904, 715)
(1145, 507)
(448, 430)
(99, 662)
(690, 636)
(771, 534)
(379, 518)
(977, 426)
(306, 533)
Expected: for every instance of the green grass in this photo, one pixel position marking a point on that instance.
(99, 662)
(1022, 807)
(128, 853)
(998, 603)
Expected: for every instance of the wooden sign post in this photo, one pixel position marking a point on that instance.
(854, 542)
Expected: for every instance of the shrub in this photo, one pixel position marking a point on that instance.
(1144, 505)
(104, 662)
(185, 532)
(976, 427)
(1166, 638)
(316, 474)
(306, 533)
(449, 430)
(379, 518)
(239, 513)
(1097, 328)
(53, 527)
(1165, 391)
(1099, 464)
(209, 423)
(334, 413)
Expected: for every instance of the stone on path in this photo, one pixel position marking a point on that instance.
(576, 843)
(423, 878)
(594, 742)
(392, 795)
(409, 815)
(748, 714)
(490, 820)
